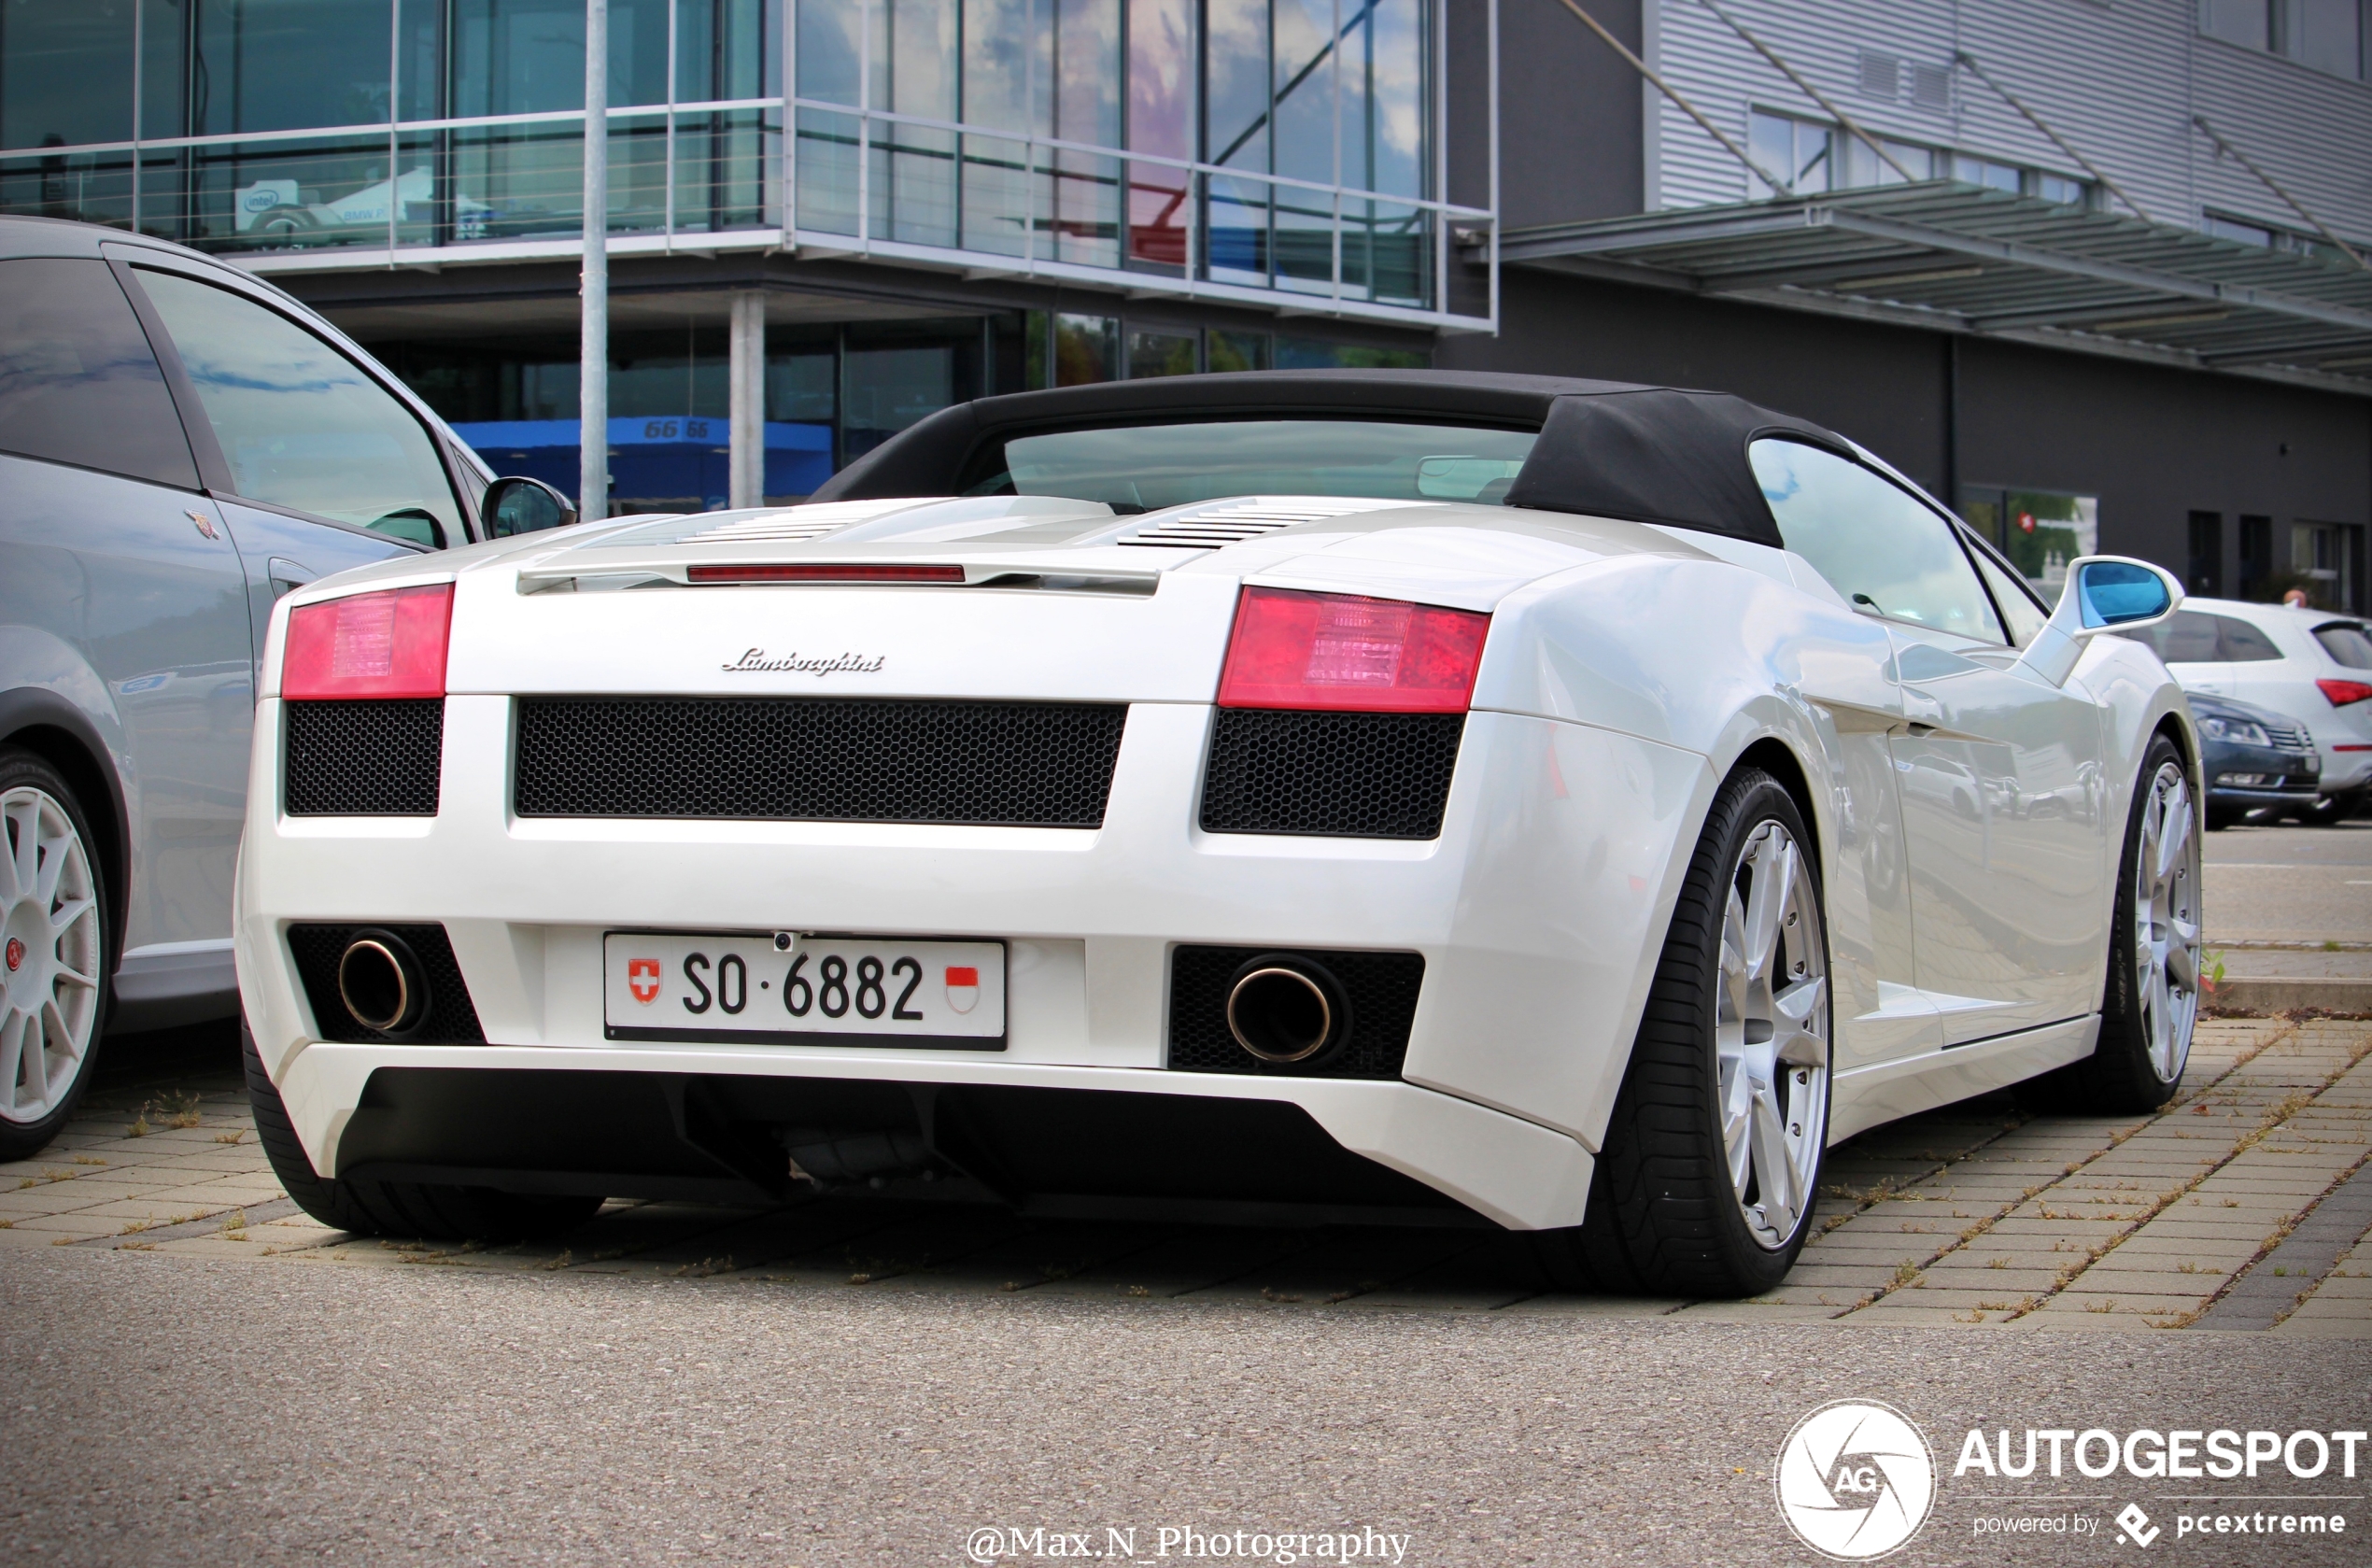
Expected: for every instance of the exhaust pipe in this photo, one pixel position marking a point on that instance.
(1286, 1010)
(381, 983)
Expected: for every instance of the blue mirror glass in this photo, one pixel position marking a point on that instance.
(2115, 593)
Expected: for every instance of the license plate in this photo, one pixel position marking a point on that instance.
(679, 985)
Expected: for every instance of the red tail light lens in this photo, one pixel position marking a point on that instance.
(2341, 693)
(370, 644)
(1344, 653)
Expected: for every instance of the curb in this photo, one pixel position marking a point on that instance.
(2264, 995)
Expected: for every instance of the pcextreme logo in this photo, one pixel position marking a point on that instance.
(1855, 1479)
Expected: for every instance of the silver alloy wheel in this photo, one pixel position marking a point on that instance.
(2166, 922)
(49, 954)
(1771, 1034)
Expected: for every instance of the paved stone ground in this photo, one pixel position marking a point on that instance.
(1979, 1217)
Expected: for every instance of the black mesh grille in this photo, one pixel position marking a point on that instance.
(1340, 775)
(364, 758)
(819, 759)
(450, 1019)
(1381, 988)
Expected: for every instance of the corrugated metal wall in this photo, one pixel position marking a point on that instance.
(2119, 79)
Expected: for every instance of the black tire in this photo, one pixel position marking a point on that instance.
(1663, 1218)
(23, 770)
(2119, 1077)
(2333, 809)
(406, 1208)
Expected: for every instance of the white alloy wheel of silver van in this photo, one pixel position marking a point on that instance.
(49, 952)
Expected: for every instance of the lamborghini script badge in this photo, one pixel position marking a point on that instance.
(754, 662)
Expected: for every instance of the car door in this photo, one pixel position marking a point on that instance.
(318, 466)
(122, 592)
(1999, 774)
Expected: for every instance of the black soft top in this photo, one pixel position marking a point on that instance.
(1606, 448)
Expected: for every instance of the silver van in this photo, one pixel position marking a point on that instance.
(179, 444)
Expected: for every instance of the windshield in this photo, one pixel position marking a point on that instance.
(1143, 468)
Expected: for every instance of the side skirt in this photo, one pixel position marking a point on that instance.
(1866, 1098)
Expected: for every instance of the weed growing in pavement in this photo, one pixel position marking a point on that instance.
(1139, 1290)
(707, 1266)
(236, 1227)
(2002, 1262)
(230, 1137)
(89, 1160)
(1905, 1272)
(2108, 1305)
(7, 1224)
(136, 1227)
(561, 1262)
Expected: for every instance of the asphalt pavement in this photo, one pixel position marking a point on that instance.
(2292, 901)
(165, 1410)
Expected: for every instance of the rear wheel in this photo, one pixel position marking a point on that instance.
(53, 953)
(2152, 1000)
(1706, 1180)
(396, 1207)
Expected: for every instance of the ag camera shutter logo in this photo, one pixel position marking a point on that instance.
(1856, 1479)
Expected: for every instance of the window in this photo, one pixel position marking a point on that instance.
(1797, 150)
(65, 73)
(77, 381)
(2038, 531)
(2243, 643)
(2024, 614)
(2256, 557)
(2186, 637)
(2346, 643)
(299, 424)
(2327, 35)
(1140, 468)
(1879, 549)
(2247, 23)
(2206, 574)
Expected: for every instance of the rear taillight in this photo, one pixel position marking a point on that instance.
(369, 644)
(1344, 653)
(2341, 693)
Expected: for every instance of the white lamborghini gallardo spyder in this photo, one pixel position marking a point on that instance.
(1408, 797)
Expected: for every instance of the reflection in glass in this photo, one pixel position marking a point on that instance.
(889, 389)
(1086, 349)
(82, 187)
(1161, 97)
(1159, 353)
(726, 163)
(827, 190)
(1303, 121)
(1237, 350)
(300, 426)
(1153, 466)
(527, 56)
(269, 66)
(65, 72)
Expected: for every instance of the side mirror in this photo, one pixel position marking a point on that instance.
(2104, 593)
(518, 505)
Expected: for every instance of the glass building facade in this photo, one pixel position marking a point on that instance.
(1253, 152)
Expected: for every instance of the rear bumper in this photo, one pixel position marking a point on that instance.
(1537, 911)
(709, 1126)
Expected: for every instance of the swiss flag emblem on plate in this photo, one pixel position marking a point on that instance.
(642, 979)
(963, 986)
